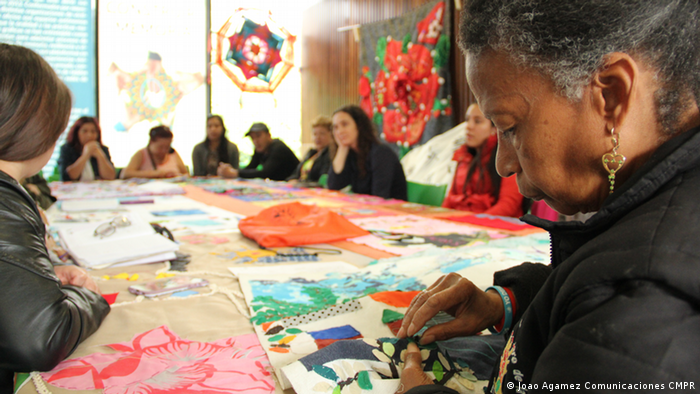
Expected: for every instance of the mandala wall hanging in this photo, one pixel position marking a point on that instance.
(254, 51)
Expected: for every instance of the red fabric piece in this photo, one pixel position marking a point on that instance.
(296, 224)
(429, 29)
(477, 198)
(321, 343)
(490, 221)
(399, 299)
(395, 326)
(110, 298)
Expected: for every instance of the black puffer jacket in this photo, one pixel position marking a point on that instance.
(41, 321)
(619, 308)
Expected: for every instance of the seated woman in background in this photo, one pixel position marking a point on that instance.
(45, 310)
(361, 161)
(158, 159)
(215, 150)
(476, 186)
(317, 161)
(84, 145)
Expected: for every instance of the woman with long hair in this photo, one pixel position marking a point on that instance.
(361, 161)
(83, 157)
(476, 186)
(158, 159)
(45, 310)
(215, 150)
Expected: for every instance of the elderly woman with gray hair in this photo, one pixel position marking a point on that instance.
(596, 106)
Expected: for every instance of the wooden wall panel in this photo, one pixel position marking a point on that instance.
(330, 59)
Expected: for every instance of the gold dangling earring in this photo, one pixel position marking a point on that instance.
(613, 161)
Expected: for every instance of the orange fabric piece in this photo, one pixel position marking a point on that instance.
(399, 299)
(279, 350)
(266, 325)
(295, 224)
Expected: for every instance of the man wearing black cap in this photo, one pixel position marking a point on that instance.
(272, 158)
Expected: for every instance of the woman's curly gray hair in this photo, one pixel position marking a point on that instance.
(568, 40)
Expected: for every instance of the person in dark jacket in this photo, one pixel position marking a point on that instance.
(596, 106)
(272, 158)
(45, 311)
(83, 157)
(361, 161)
(317, 160)
(208, 156)
(39, 189)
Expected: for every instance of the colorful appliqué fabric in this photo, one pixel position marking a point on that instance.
(158, 361)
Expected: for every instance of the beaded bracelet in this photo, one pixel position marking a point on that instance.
(507, 306)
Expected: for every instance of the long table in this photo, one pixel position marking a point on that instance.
(216, 311)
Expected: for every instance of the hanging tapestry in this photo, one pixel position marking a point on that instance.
(404, 74)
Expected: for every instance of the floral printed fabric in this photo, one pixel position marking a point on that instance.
(159, 361)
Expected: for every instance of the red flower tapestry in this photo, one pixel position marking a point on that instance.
(404, 79)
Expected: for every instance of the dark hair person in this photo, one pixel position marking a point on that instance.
(476, 186)
(272, 158)
(596, 106)
(45, 311)
(83, 157)
(158, 159)
(361, 161)
(215, 150)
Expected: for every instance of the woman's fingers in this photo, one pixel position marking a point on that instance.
(412, 374)
(442, 295)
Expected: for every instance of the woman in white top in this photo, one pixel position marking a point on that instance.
(158, 159)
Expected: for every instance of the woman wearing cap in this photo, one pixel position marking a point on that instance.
(361, 161)
(45, 311)
(158, 159)
(596, 106)
(216, 149)
(83, 157)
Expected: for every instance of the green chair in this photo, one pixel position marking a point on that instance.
(426, 194)
(323, 180)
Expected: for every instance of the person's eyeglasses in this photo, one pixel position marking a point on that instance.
(109, 228)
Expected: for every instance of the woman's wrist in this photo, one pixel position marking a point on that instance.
(506, 308)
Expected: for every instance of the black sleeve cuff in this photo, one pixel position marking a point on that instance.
(524, 281)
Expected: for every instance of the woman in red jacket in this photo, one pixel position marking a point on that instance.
(477, 187)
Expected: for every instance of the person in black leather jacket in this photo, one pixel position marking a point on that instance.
(596, 106)
(45, 311)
